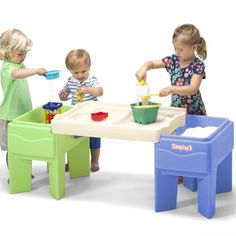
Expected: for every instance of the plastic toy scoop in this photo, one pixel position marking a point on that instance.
(52, 74)
(147, 97)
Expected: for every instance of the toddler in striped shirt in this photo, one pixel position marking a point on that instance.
(81, 86)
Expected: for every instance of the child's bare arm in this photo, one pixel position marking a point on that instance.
(149, 65)
(95, 91)
(26, 72)
(186, 90)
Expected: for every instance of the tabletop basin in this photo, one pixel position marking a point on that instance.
(119, 124)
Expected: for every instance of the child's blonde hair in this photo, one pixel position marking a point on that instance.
(13, 41)
(192, 37)
(77, 58)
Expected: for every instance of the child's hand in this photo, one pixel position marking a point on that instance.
(64, 95)
(80, 93)
(83, 91)
(141, 75)
(41, 71)
(165, 92)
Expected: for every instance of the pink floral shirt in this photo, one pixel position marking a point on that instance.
(181, 77)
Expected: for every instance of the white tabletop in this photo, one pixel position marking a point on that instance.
(119, 124)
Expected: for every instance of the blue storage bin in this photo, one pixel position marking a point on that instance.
(192, 153)
(205, 163)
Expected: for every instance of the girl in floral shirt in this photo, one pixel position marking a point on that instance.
(185, 67)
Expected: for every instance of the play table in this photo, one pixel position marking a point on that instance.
(202, 163)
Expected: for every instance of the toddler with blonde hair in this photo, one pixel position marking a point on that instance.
(14, 46)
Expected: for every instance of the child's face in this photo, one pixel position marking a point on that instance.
(183, 51)
(81, 73)
(18, 57)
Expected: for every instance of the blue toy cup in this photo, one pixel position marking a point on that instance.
(52, 74)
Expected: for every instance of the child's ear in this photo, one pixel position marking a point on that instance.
(195, 47)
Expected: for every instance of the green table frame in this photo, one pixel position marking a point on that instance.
(30, 139)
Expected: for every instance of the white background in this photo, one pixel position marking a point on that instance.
(120, 36)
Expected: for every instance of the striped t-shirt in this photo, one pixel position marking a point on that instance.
(73, 85)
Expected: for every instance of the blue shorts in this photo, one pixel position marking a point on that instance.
(94, 143)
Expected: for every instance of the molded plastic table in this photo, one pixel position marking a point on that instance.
(205, 163)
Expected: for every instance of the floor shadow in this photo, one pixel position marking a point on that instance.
(110, 187)
(187, 203)
(121, 188)
(134, 190)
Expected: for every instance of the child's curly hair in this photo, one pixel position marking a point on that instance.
(13, 41)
